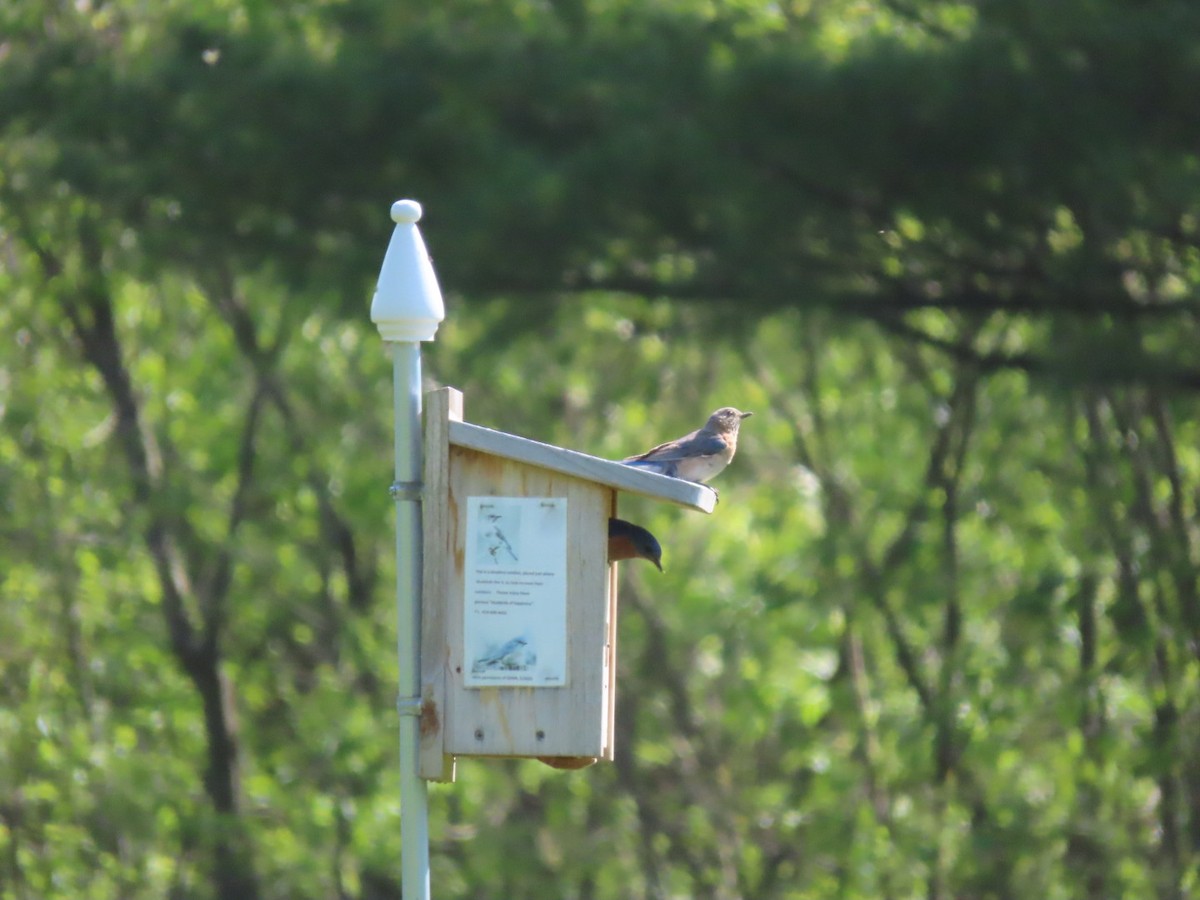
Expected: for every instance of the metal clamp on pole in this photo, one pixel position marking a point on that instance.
(407, 490)
(409, 706)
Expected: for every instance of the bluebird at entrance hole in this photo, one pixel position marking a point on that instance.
(629, 541)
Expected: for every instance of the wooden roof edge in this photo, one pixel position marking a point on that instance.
(613, 474)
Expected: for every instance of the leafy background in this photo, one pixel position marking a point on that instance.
(940, 639)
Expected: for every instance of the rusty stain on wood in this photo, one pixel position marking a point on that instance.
(430, 723)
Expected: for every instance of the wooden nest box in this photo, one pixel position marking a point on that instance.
(519, 601)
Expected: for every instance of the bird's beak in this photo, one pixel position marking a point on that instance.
(747, 415)
(657, 563)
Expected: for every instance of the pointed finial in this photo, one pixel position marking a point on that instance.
(407, 305)
(406, 211)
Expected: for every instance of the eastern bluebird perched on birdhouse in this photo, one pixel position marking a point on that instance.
(629, 541)
(697, 456)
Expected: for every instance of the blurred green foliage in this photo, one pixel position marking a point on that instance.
(941, 637)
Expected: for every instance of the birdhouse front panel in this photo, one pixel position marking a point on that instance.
(528, 618)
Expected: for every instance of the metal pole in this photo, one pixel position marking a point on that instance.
(414, 806)
(407, 308)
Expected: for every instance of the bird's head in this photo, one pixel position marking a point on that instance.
(627, 541)
(647, 546)
(726, 419)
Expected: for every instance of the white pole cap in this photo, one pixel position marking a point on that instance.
(407, 305)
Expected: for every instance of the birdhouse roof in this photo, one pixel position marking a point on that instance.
(581, 465)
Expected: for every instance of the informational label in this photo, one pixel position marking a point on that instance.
(515, 614)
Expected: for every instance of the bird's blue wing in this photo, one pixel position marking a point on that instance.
(700, 443)
(658, 466)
